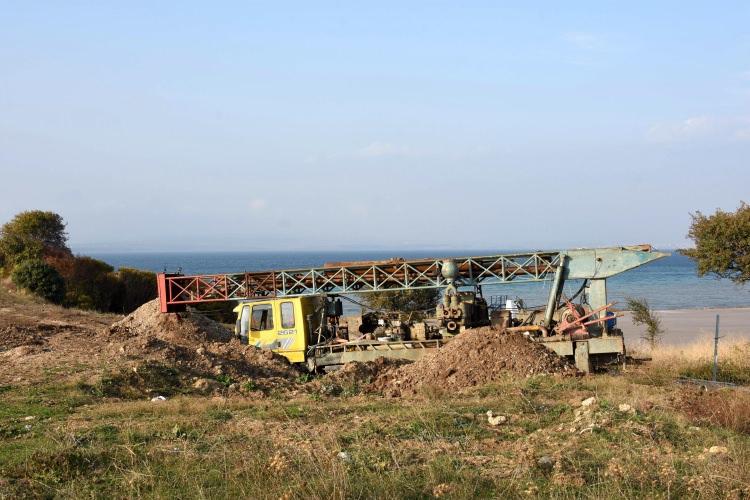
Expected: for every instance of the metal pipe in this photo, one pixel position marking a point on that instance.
(554, 293)
(528, 328)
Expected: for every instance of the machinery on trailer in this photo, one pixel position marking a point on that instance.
(297, 312)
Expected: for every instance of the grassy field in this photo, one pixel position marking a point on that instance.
(65, 441)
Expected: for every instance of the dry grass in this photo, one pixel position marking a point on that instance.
(730, 349)
(726, 408)
(303, 446)
(695, 360)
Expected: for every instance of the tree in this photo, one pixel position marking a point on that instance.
(40, 278)
(32, 235)
(404, 301)
(643, 315)
(722, 243)
(139, 287)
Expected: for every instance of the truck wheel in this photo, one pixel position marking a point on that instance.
(312, 367)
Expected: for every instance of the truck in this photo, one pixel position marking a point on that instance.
(297, 313)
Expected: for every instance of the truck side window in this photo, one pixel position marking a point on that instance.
(287, 315)
(262, 318)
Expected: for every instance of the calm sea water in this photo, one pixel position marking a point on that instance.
(669, 283)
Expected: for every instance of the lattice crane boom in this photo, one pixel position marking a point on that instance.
(176, 290)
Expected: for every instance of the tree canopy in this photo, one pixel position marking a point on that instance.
(34, 250)
(722, 243)
(33, 234)
(404, 301)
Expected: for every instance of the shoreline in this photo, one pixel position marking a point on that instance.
(687, 326)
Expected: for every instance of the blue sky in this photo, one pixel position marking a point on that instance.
(246, 126)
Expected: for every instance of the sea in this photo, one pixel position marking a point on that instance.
(668, 283)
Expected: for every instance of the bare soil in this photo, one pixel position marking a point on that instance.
(138, 355)
(150, 353)
(476, 357)
(353, 377)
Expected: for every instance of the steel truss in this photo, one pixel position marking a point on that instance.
(176, 291)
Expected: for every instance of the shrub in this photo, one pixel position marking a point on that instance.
(223, 312)
(40, 278)
(92, 284)
(643, 315)
(138, 286)
(416, 301)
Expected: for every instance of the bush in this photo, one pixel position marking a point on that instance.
(415, 302)
(92, 284)
(138, 286)
(643, 315)
(40, 278)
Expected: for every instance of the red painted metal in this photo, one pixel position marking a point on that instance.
(177, 291)
(576, 327)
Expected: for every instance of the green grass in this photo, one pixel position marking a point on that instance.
(728, 371)
(83, 443)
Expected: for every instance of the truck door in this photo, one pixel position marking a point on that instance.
(261, 325)
(244, 324)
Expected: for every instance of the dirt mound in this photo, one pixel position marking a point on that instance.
(353, 377)
(182, 327)
(198, 348)
(475, 357)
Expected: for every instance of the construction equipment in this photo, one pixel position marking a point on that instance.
(307, 299)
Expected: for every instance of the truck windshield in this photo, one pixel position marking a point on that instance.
(262, 318)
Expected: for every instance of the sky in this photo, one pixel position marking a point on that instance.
(185, 126)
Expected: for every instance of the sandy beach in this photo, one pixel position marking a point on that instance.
(687, 326)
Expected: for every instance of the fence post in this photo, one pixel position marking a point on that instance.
(716, 350)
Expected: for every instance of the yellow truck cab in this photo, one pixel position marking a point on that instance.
(282, 325)
(291, 327)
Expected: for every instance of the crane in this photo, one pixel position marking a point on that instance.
(563, 327)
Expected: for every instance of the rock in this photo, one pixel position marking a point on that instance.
(588, 402)
(344, 457)
(158, 399)
(546, 463)
(206, 385)
(30, 417)
(625, 408)
(718, 450)
(496, 420)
